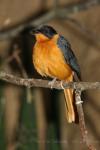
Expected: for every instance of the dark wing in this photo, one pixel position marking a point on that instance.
(69, 55)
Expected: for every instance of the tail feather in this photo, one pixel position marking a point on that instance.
(69, 98)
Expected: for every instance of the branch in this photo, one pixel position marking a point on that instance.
(83, 129)
(45, 83)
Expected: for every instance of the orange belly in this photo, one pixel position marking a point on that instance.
(49, 61)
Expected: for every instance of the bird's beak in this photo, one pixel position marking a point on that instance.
(35, 31)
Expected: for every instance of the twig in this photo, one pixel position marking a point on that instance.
(23, 71)
(83, 129)
(45, 83)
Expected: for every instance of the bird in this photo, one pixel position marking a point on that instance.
(52, 56)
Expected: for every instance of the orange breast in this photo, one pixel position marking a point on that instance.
(49, 60)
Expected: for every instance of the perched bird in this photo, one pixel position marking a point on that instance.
(53, 57)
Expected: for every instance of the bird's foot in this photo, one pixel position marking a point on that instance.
(61, 83)
(79, 102)
(51, 83)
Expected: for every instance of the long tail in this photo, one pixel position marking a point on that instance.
(69, 98)
(71, 110)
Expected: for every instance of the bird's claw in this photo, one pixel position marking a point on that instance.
(51, 83)
(61, 83)
(79, 102)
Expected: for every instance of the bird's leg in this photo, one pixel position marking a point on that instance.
(51, 83)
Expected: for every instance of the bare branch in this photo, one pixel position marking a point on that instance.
(83, 129)
(45, 83)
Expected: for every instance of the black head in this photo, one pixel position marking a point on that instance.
(46, 30)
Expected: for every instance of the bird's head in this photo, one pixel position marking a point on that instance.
(44, 32)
